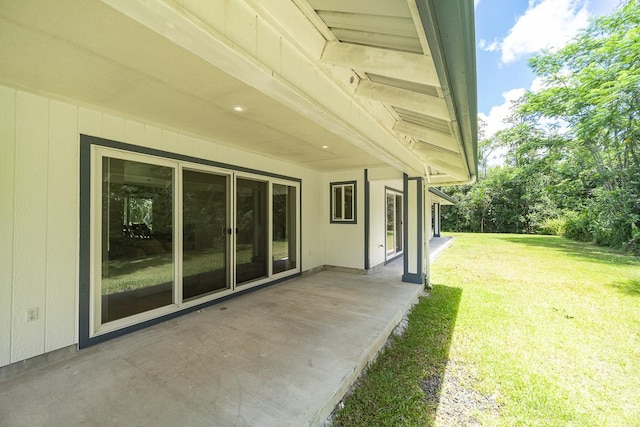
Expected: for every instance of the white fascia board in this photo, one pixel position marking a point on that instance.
(186, 30)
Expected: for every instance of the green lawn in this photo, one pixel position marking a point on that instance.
(519, 330)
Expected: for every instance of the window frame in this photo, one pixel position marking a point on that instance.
(342, 185)
(92, 330)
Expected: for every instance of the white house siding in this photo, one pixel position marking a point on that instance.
(344, 243)
(39, 224)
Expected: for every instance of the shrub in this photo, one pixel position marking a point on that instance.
(554, 226)
(576, 225)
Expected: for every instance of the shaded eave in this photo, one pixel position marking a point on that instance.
(329, 85)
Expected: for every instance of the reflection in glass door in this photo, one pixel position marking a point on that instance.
(137, 241)
(205, 237)
(251, 230)
(393, 229)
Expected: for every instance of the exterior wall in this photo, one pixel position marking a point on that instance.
(378, 219)
(344, 243)
(39, 223)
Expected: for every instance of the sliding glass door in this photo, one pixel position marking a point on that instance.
(251, 230)
(137, 245)
(167, 235)
(284, 235)
(394, 243)
(205, 233)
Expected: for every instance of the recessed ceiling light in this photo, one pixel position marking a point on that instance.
(239, 108)
(325, 146)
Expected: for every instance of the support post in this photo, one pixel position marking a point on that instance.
(427, 246)
(414, 230)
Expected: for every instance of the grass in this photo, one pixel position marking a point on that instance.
(547, 327)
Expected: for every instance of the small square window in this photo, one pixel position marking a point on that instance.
(343, 202)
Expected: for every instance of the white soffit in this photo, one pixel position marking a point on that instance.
(355, 75)
(87, 52)
(385, 44)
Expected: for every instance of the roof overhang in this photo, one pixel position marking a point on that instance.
(437, 196)
(327, 84)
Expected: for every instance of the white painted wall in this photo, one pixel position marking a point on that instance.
(377, 226)
(39, 186)
(344, 243)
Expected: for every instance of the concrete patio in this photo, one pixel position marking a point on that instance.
(282, 355)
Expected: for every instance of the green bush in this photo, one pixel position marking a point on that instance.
(633, 245)
(576, 226)
(554, 226)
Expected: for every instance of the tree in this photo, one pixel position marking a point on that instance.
(572, 148)
(593, 86)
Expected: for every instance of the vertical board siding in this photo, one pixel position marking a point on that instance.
(153, 137)
(169, 141)
(30, 226)
(62, 227)
(134, 132)
(89, 122)
(7, 168)
(112, 127)
(39, 213)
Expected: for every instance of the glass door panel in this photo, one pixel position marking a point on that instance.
(393, 228)
(205, 225)
(137, 267)
(390, 229)
(398, 230)
(251, 230)
(283, 249)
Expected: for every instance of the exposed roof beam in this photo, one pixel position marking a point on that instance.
(415, 101)
(390, 63)
(443, 180)
(455, 171)
(427, 135)
(447, 156)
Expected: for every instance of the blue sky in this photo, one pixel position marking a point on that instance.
(509, 32)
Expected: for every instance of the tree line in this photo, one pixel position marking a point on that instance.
(571, 149)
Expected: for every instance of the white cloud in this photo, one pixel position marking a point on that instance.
(545, 24)
(489, 47)
(497, 115)
(538, 84)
